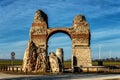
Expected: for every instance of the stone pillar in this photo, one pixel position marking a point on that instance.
(60, 55)
(54, 63)
(35, 58)
(81, 42)
(38, 35)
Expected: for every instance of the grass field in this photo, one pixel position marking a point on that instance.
(107, 63)
(67, 64)
(9, 62)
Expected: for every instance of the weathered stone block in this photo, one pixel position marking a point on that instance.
(60, 55)
(54, 63)
(34, 59)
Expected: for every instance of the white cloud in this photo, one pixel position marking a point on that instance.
(105, 33)
(14, 44)
(108, 38)
(17, 47)
(102, 8)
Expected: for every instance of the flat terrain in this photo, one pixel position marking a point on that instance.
(62, 77)
(67, 64)
(8, 62)
(68, 76)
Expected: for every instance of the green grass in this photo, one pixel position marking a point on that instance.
(94, 63)
(67, 64)
(111, 63)
(8, 62)
(107, 63)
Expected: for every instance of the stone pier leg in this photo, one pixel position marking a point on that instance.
(60, 55)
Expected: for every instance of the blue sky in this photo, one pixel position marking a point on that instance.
(103, 16)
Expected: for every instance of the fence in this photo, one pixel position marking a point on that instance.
(10, 68)
(108, 69)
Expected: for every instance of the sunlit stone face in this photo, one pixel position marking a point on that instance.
(36, 58)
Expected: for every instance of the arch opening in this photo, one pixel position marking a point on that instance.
(60, 39)
(59, 31)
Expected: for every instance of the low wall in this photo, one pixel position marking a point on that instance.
(15, 68)
(77, 69)
(10, 68)
(93, 69)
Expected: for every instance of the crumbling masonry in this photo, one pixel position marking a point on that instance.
(36, 58)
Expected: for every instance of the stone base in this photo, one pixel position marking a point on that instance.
(82, 57)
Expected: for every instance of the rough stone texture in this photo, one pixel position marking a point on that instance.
(41, 61)
(81, 42)
(84, 59)
(34, 59)
(30, 57)
(60, 55)
(40, 33)
(54, 63)
(26, 55)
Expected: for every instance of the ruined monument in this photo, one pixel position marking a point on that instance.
(35, 57)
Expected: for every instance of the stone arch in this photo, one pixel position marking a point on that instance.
(79, 34)
(57, 31)
(52, 32)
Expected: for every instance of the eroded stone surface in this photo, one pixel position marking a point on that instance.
(41, 64)
(35, 60)
(30, 57)
(54, 63)
(60, 55)
(26, 55)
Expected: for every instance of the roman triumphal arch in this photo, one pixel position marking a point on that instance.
(39, 34)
